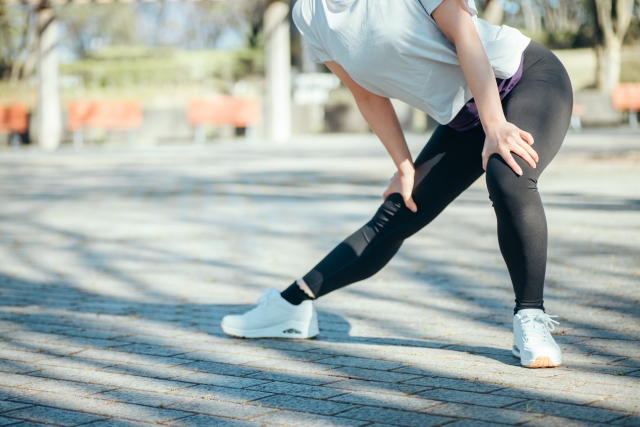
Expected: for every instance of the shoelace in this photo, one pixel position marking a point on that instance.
(535, 327)
(264, 300)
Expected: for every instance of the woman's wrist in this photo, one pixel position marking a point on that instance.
(406, 167)
(493, 123)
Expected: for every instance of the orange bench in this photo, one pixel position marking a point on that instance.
(14, 119)
(107, 115)
(626, 97)
(222, 110)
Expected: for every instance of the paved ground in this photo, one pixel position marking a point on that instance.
(117, 266)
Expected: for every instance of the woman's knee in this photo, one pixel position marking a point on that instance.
(508, 188)
(392, 214)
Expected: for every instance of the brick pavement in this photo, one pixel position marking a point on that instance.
(118, 264)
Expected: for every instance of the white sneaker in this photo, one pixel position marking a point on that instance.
(274, 317)
(532, 340)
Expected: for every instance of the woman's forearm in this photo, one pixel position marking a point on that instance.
(502, 138)
(456, 23)
(381, 117)
(479, 75)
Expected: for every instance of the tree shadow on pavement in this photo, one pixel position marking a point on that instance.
(98, 350)
(149, 349)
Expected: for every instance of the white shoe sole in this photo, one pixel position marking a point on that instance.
(284, 330)
(539, 362)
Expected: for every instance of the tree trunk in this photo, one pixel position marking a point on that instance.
(613, 25)
(49, 114)
(531, 17)
(278, 71)
(493, 12)
(609, 65)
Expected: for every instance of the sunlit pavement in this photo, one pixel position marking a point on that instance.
(118, 265)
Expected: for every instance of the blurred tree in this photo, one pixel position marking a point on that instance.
(613, 18)
(567, 23)
(493, 12)
(209, 20)
(563, 15)
(532, 16)
(17, 41)
(90, 26)
(633, 33)
(253, 11)
(112, 43)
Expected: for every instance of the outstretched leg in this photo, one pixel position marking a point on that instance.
(449, 163)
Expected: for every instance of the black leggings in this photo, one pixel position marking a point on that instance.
(541, 104)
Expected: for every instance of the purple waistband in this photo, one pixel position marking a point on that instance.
(468, 117)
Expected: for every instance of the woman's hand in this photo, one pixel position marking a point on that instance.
(382, 118)
(402, 183)
(505, 138)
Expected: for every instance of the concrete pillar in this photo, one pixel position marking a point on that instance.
(49, 113)
(278, 72)
(307, 66)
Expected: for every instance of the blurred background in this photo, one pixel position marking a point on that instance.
(158, 72)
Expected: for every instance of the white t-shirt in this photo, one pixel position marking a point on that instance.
(394, 49)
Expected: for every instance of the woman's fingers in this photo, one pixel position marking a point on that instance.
(406, 185)
(408, 200)
(520, 151)
(411, 204)
(527, 137)
(506, 140)
(526, 147)
(393, 187)
(506, 155)
(524, 140)
(407, 192)
(402, 185)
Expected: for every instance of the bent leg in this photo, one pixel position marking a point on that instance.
(449, 163)
(540, 104)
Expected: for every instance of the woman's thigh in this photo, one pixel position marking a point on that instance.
(541, 104)
(448, 164)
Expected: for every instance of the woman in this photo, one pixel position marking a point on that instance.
(493, 90)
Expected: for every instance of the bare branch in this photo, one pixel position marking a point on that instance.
(605, 20)
(624, 10)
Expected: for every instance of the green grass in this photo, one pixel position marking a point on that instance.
(164, 78)
(630, 65)
(581, 64)
(128, 66)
